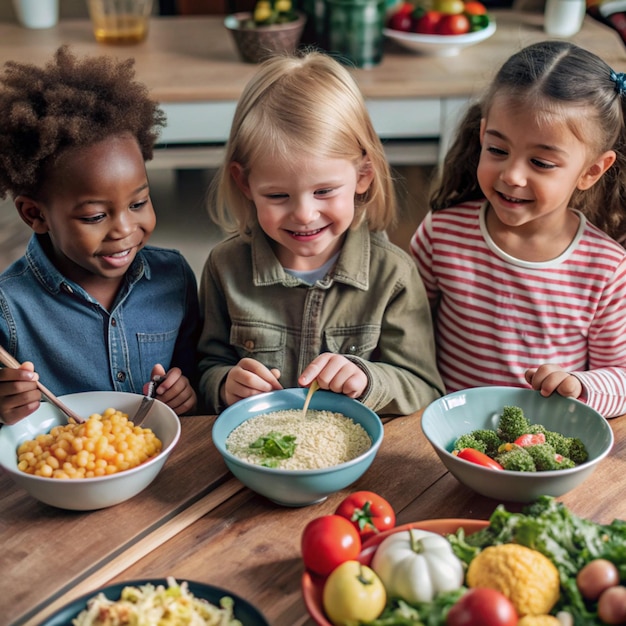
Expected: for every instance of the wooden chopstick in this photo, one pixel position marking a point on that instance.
(9, 361)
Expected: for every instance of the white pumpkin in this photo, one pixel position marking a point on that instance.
(415, 565)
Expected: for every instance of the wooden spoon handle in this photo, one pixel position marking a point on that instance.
(9, 361)
(312, 389)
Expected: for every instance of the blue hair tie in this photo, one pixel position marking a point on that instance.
(619, 78)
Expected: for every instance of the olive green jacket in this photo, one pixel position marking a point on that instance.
(371, 307)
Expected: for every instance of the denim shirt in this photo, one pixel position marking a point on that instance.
(370, 307)
(77, 345)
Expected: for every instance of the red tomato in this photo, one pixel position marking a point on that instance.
(327, 542)
(406, 7)
(369, 512)
(530, 440)
(478, 457)
(427, 24)
(482, 607)
(453, 25)
(475, 8)
(400, 21)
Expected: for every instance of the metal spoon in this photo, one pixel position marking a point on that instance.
(9, 361)
(312, 389)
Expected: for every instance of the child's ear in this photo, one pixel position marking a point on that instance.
(31, 213)
(241, 179)
(593, 173)
(365, 178)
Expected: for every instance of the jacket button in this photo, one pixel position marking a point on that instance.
(113, 322)
(121, 377)
(66, 288)
(249, 345)
(352, 349)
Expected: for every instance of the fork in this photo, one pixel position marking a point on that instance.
(9, 361)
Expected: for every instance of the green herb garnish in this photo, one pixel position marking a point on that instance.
(273, 447)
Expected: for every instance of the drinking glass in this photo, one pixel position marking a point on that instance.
(120, 21)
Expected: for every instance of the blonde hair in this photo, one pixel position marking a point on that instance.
(305, 103)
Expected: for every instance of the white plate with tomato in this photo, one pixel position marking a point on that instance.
(442, 31)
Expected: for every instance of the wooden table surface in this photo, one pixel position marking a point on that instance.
(197, 522)
(193, 58)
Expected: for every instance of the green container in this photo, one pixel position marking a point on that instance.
(354, 31)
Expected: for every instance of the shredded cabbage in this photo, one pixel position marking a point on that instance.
(150, 605)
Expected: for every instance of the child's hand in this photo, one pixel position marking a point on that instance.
(19, 394)
(336, 373)
(249, 378)
(549, 378)
(174, 389)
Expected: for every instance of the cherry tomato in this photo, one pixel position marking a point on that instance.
(475, 8)
(400, 21)
(405, 7)
(478, 457)
(530, 440)
(427, 24)
(458, 24)
(369, 512)
(328, 541)
(482, 607)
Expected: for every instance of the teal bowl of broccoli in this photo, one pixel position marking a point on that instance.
(512, 444)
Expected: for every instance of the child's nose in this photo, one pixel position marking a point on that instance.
(304, 211)
(513, 174)
(122, 224)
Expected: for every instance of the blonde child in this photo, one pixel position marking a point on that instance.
(526, 286)
(309, 287)
(89, 305)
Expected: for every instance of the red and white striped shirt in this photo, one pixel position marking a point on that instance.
(496, 316)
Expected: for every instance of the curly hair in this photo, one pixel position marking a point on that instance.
(68, 103)
(563, 83)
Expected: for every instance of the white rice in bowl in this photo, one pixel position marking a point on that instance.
(322, 438)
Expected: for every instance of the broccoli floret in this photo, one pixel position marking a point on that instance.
(512, 424)
(517, 460)
(558, 441)
(470, 441)
(544, 456)
(490, 439)
(536, 429)
(577, 451)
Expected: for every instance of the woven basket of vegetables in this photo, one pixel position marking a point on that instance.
(274, 27)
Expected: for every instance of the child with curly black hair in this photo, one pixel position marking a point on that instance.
(89, 305)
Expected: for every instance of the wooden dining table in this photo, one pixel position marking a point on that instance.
(197, 522)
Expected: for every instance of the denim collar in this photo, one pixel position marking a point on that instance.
(352, 267)
(53, 281)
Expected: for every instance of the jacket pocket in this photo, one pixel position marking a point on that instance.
(353, 340)
(262, 342)
(156, 348)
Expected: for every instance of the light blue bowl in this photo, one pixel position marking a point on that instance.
(297, 487)
(463, 411)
